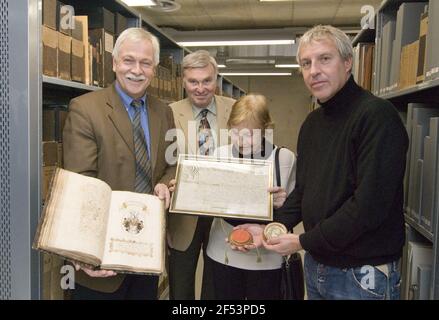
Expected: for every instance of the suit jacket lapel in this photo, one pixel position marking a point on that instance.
(221, 117)
(120, 118)
(185, 114)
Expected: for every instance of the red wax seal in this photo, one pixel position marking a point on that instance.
(240, 237)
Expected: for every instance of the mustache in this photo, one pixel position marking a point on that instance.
(136, 78)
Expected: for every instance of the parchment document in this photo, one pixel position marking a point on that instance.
(234, 188)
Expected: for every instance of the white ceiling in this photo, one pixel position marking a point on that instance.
(198, 17)
(247, 14)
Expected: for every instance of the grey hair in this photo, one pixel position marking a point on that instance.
(138, 34)
(199, 59)
(341, 40)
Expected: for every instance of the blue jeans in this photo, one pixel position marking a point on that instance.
(360, 283)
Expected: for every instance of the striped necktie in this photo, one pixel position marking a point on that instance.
(143, 164)
(205, 139)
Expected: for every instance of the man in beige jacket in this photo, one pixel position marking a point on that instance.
(103, 134)
(200, 110)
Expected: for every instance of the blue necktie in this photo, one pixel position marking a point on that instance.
(143, 164)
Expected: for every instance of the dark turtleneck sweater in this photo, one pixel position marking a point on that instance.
(349, 180)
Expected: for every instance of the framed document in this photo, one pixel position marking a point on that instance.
(230, 188)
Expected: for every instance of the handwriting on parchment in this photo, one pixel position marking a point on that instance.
(131, 247)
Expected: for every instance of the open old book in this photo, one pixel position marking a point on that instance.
(85, 221)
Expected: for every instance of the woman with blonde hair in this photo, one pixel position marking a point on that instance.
(250, 272)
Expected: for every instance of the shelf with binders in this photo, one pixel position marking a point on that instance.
(394, 4)
(237, 92)
(362, 67)
(421, 200)
(93, 9)
(405, 63)
(227, 88)
(78, 38)
(167, 83)
(407, 55)
(363, 55)
(427, 91)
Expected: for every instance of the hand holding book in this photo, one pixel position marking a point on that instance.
(95, 273)
(85, 221)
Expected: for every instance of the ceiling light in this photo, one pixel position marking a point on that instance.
(139, 3)
(249, 61)
(234, 43)
(275, 0)
(221, 66)
(255, 73)
(287, 66)
(165, 6)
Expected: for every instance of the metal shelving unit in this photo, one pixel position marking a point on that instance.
(68, 84)
(20, 147)
(425, 92)
(394, 4)
(236, 92)
(365, 35)
(421, 229)
(424, 87)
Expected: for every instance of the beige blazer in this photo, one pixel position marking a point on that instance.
(98, 142)
(181, 227)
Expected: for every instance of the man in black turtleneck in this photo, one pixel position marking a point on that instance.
(349, 183)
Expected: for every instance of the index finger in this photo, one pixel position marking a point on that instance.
(167, 198)
(273, 189)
